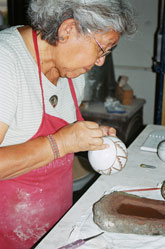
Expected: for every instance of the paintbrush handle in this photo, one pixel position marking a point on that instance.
(74, 244)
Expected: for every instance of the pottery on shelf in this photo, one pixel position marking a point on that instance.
(110, 160)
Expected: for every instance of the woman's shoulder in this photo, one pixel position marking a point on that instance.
(9, 33)
(10, 40)
(13, 49)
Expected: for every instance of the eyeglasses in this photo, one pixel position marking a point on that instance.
(105, 52)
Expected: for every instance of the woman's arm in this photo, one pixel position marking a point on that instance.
(19, 159)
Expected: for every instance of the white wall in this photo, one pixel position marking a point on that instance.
(133, 57)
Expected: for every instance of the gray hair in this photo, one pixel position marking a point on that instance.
(96, 15)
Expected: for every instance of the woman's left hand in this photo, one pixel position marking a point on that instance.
(108, 131)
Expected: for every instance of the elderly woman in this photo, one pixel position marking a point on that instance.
(40, 122)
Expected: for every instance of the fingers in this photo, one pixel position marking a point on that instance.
(82, 136)
(96, 141)
(108, 131)
(112, 131)
(97, 132)
(91, 125)
(93, 129)
(101, 147)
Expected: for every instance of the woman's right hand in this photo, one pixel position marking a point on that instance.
(16, 160)
(80, 136)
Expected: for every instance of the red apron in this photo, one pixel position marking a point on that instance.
(32, 203)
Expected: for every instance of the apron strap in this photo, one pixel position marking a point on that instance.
(78, 113)
(39, 66)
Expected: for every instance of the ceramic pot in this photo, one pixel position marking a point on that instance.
(110, 160)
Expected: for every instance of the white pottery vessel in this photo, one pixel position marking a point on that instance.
(161, 150)
(110, 160)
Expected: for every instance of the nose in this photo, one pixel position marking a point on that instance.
(100, 61)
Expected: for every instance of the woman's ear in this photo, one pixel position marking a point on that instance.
(65, 30)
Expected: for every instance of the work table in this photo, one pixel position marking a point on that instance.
(131, 176)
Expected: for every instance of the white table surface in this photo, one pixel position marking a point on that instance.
(132, 175)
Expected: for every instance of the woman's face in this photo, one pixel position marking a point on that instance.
(80, 53)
